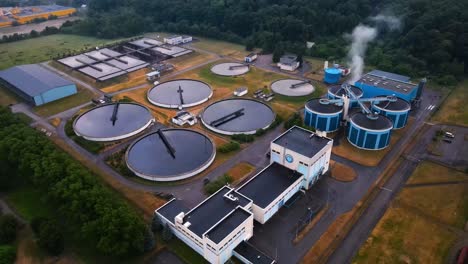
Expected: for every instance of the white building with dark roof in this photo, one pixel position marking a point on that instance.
(288, 63)
(221, 225)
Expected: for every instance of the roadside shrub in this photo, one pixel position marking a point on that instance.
(149, 242)
(7, 254)
(167, 233)
(229, 147)
(8, 225)
(243, 138)
(217, 184)
(36, 224)
(50, 238)
(156, 224)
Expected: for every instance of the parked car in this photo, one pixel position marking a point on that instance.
(449, 134)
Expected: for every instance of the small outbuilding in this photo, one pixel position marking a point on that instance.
(241, 91)
(288, 63)
(36, 84)
(251, 57)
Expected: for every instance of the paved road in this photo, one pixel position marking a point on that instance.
(26, 109)
(371, 216)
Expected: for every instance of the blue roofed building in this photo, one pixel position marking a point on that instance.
(377, 83)
(35, 84)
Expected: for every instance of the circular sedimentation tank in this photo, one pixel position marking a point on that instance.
(237, 116)
(332, 75)
(292, 87)
(170, 155)
(370, 133)
(397, 111)
(323, 117)
(230, 69)
(181, 93)
(114, 121)
(337, 91)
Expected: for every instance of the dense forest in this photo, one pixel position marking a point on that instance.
(433, 38)
(84, 206)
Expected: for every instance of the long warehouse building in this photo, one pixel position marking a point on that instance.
(35, 84)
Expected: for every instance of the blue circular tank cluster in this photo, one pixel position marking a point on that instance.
(337, 91)
(323, 117)
(371, 133)
(397, 111)
(332, 75)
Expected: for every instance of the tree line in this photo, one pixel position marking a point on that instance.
(433, 39)
(103, 220)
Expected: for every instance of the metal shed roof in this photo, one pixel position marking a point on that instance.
(33, 79)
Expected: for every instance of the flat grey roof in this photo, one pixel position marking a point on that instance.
(212, 210)
(146, 42)
(302, 141)
(224, 228)
(288, 59)
(172, 208)
(77, 61)
(390, 75)
(173, 51)
(33, 79)
(266, 186)
(252, 254)
(102, 71)
(382, 82)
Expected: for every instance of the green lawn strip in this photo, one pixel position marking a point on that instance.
(45, 48)
(55, 107)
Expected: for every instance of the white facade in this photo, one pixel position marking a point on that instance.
(311, 167)
(216, 253)
(251, 58)
(173, 40)
(187, 39)
(288, 67)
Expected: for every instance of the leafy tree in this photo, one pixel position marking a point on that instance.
(167, 233)
(50, 238)
(8, 225)
(156, 224)
(150, 242)
(7, 254)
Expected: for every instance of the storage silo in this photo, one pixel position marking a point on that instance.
(369, 132)
(337, 91)
(332, 75)
(323, 116)
(397, 111)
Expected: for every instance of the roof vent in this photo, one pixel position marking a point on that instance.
(232, 197)
(180, 218)
(187, 224)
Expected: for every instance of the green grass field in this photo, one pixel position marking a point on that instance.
(66, 103)
(28, 203)
(44, 48)
(414, 228)
(454, 110)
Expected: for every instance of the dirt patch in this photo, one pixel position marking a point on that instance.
(240, 171)
(314, 255)
(55, 121)
(190, 60)
(343, 173)
(132, 79)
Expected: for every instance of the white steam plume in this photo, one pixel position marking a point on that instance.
(361, 36)
(392, 22)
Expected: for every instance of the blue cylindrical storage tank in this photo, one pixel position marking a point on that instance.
(323, 117)
(336, 91)
(369, 133)
(397, 111)
(332, 75)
